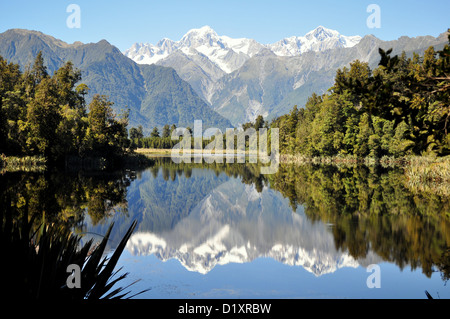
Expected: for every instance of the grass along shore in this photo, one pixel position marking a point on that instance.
(419, 170)
(422, 173)
(423, 168)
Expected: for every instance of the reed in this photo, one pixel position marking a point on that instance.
(431, 175)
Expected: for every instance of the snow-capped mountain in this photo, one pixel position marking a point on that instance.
(226, 53)
(229, 54)
(202, 57)
(241, 78)
(317, 40)
(145, 53)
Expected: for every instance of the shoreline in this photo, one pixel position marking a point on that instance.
(166, 151)
(418, 169)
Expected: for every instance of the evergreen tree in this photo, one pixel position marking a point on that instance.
(166, 131)
(402, 107)
(155, 132)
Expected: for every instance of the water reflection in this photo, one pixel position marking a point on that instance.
(234, 223)
(320, 218)
(373, 210)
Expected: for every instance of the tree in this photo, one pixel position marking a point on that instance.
(136, 133)
(166, 131)
(155, 132)
(259, 122)
(106, 136)
(43, 118)
(12, 107)
(39, 70)
(46, 115)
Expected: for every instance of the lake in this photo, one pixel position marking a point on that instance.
(226, 231)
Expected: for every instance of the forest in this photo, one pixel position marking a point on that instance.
(400, 108)
(46, 115)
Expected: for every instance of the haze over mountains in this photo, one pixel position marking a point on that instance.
(223, 81)
(241, 78)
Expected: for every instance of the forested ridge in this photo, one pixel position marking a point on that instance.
(46, 115)
(400, 108)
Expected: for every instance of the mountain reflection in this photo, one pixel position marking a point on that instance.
(372, 215)
(321, 218)
(236, 223)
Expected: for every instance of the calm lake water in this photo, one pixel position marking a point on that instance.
(225, 231)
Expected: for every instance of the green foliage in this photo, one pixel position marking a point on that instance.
(38, 215)
(259, 123)
(166, 131)
(373, 209)
(155, 132)
(47, 116)
(136, 132)
(400, 108)
(105, 135)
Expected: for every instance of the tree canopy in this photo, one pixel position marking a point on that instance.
(400, 108)
(47, 115)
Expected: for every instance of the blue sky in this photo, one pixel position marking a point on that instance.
(123, 23)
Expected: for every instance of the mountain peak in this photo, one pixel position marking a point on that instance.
(230, 53)
(319, 39)
(321, 33)
(205, 30)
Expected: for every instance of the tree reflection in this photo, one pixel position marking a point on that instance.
(372, 209)
(368, 208)
(64, 199)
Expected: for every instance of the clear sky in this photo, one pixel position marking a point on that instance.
(123, 23)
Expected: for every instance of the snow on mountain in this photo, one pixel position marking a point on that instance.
(319, 39)
(145, 53)
(203, 59)
(229, 54)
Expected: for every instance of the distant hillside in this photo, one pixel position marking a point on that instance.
(271, 85)
(241, 78)
(154, 95)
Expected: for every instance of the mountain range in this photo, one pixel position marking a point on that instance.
(154, 95)
(241, 78)
(220, 80)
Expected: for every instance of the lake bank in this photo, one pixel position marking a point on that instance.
(40, 163)
(164, 151)
(418, 168)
